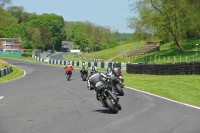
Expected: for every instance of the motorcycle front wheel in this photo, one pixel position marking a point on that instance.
(69, 76)
(119, 89)
(110, 105)
(119, 106)
(84, 77)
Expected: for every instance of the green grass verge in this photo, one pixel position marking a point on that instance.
(22, 58)
(16, 73)
(111, 52)
(183, 88)
(73, 58)
(167, 53)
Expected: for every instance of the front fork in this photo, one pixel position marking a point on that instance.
(111, 94)
(100, 99)
(114, 97)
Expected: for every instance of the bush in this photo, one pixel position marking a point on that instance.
(28, 51)
(27, 55)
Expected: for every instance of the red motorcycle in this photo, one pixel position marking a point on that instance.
(68, 75)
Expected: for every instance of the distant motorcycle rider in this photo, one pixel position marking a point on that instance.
(84, 67)
(109, 73)
(96, 81)
(118, 73)
(68, 68)
(92, 69)
(116, 70)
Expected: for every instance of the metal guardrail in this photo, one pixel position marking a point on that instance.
(79, 63)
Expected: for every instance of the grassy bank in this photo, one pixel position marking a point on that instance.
(3, 64)
(17, 72)
(169, 53)
(111, 52)
(183, 88)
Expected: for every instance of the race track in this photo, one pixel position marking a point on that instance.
(43, 101)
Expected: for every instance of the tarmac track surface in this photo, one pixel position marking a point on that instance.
(59, 56)
(43, 101)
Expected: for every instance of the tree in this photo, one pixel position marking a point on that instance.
(4, 2)
(6, 17)
(6, 20)
(69, 27)
(79, 35)
(16, 11)
(96, 37)
(116, 35)
(55, 25)
(35, 37)
(171, 18)
(46, 37)
(25, 17)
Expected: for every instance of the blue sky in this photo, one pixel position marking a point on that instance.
(112, 13)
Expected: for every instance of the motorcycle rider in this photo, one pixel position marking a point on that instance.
(110, 74)
(91, 69)
(109, 71)
(68, 68)
(84, 67)
(118, 73)
(96, 82)
(116, 70)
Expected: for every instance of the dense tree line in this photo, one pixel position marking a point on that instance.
(167, 20)
(44, 31)
(47, 31)
(87, 35)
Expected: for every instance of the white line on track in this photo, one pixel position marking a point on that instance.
(164, 98)
(1, 97)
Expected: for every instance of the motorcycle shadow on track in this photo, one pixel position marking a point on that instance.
(104, 111)
(69, 79)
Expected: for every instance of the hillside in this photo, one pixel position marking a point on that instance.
(168, 53)
(3, 64)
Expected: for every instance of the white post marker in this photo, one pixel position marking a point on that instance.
(1, 97)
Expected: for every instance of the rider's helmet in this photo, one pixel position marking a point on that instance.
(94, 69)
(109, 71)
(68, 63)
(114, 64)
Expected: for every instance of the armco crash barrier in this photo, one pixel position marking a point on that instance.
(79, 63)
(5, 71)
(181, 68)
